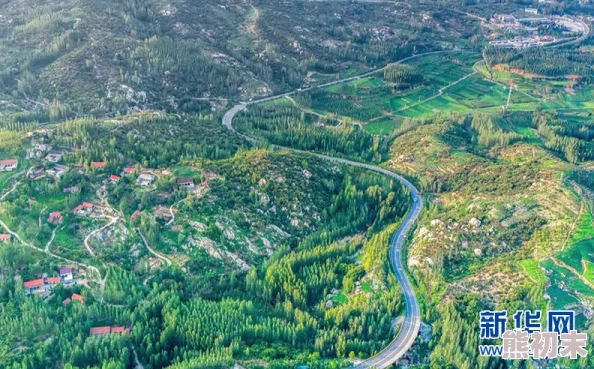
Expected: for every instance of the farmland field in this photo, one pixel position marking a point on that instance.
(452, 83)
(532, 269)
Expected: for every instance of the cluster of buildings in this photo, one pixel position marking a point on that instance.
(8, 165)
(524, 42)
(572, 26)
(43, 286)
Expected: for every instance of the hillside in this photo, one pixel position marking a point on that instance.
(60, 59)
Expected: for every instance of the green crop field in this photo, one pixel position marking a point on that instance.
(384, 125)
(532, 270)
(449, 87)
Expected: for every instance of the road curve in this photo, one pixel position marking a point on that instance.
(412, 319)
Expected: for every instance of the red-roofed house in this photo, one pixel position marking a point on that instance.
(121, 330)
(185, 182)
(110, 330)
(128, 170)
(77, 297)
(53, 280)
(114, 179)
(8, 165)
(135, 215)
(98, 164)
(55, 217)
(35, 286)
(84, 208)
(66, 301)
(100, 330)
(5, 237)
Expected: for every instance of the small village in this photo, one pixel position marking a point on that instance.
(528, 33)
(47, 165)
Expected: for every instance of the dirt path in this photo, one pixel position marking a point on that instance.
(571, 228)
(164, 258)
(47, 245)
(24, 243)
(14, 186)
(137, 363)
(172, 213)
(86, 242)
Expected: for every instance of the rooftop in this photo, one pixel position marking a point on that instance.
(34, 283)
(100, 330)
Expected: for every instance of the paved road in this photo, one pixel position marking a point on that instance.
(412, 320)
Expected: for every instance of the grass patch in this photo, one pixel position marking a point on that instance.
(340, 299)
(532, 269)
(384, 125)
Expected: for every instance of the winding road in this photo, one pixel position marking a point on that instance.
(412, 319)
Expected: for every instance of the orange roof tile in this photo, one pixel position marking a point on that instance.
(52, 280)
(34, 283)
(100, 330)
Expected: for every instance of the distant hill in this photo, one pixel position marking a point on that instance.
(62, 58)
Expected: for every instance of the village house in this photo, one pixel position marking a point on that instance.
(55, 217)
(41, 286)
(54, 156)
(52, 281)
(66, 275)
(58, 170)
(114, 179)
(85, 208)
(36, 286)
(128, 170)
(75, 297)
(145, 179)
(8, 165)
(162, 212)
(5, 237)
(185, 182)
(73, 189)
(98, 331)
(97, 164)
